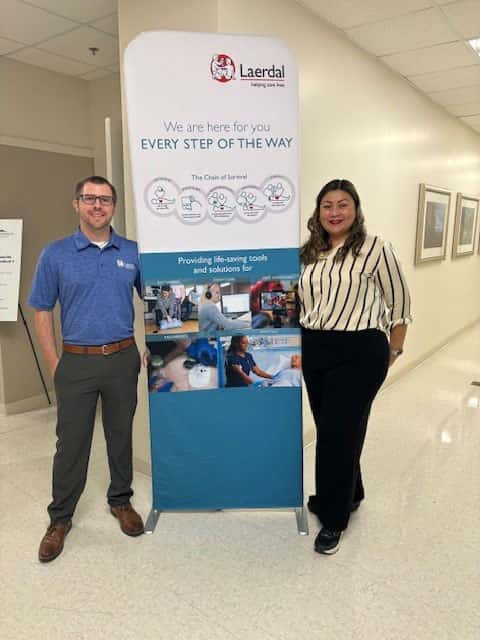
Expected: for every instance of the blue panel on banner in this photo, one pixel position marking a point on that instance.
(206, 266)
(238, 448)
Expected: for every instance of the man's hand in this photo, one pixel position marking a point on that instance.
(146, 357)
(45, 331)
(53, 366)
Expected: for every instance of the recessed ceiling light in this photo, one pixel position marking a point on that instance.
(475, 44)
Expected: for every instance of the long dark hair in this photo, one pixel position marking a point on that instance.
(235, 344)
(319, 239)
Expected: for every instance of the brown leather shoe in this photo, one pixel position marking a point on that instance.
(51, 545)
(130, 522)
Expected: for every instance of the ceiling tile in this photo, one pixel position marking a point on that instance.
(7, 46)
(108, 24)
(79, 10)
(456, 96)
(463, 77)
(437, 58)
(467, 109)
(40, 58)
(75, 44)
(96, 75)
(414, 31)
(21, 22)
(465, 17)
(350, 13)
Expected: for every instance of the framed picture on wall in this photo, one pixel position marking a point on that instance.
(432, 223)
(466, 217)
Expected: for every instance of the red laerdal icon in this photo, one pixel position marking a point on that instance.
(222, 68)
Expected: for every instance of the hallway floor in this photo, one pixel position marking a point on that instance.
(408, 567)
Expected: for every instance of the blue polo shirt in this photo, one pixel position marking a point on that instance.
(94, 287)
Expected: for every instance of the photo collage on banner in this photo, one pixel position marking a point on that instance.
(195, 332)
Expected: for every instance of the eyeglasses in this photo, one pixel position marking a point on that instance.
(89, 198)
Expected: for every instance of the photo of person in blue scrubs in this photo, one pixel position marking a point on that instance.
(240, 363)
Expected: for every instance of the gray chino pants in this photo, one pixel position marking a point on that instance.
(79, 381)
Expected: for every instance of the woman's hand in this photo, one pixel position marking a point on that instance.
(397, 338)
(393, 359)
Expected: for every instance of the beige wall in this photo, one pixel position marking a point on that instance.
(42, 109)
(38, 187)
(358, 121)
(105, 102)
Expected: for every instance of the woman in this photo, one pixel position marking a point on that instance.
(210, 318)
(354, 308)
(240, 364)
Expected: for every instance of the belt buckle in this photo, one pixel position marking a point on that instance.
(104, 350)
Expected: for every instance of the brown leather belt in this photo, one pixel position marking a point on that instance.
(98, 350)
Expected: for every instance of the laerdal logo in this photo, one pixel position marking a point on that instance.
(273, 72)
(222, 68)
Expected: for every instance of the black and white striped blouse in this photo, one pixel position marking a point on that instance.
(364, 292)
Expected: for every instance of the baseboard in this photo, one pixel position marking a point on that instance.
(396, 375)
(142, 466)
(26, 404)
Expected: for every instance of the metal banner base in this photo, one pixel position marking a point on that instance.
(302, 521)
(300, 513)
(151, 522)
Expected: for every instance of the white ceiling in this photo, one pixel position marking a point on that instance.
(58, 34)
(422, 40)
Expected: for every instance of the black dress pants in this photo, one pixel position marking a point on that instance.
(79, 381)
(343, 371)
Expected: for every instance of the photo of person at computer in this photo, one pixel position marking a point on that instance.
(224, 306)
(182, 365)
(260, 361)
(274, 304)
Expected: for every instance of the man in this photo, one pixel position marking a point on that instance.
(165, 305)
(92, 274)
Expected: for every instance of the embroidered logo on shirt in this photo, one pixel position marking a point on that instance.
(125, 265)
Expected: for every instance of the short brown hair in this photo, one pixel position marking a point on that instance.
(95, 180)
